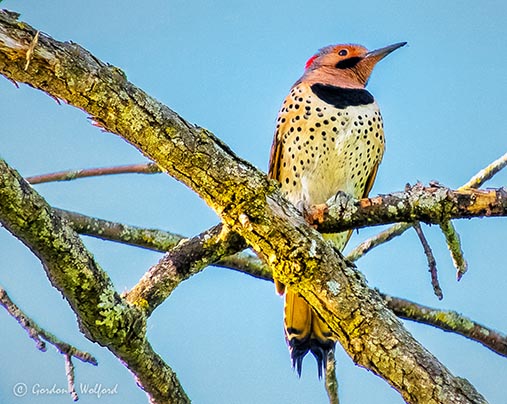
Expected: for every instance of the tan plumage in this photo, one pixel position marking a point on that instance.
(329, 137)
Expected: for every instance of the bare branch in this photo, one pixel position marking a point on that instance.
(432, 264)
(486, 173)
(189, 257)
(160, 240)
(331, 380)
(69, 372)
(383, 237)
(38, 334)
(434, 204)
(248, 264)
(68, 175)
(449, 321)
(152, 239)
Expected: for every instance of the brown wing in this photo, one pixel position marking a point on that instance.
(371, 180)
(275, 158)
(283, 124)
(275, 162)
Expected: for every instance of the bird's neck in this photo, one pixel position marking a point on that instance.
(345, 78)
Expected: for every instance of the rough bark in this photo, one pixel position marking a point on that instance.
(152, 239)
(184, 260)
(434, 204)
(103, 316)
(246, 201)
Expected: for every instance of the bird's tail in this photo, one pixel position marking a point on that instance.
(305, 331)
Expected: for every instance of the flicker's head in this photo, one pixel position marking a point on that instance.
(345, 65)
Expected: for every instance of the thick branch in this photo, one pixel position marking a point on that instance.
(426, 204)
(247, 202)
(103, 316)
(186, 259)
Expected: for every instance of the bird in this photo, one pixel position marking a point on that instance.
(329, 137)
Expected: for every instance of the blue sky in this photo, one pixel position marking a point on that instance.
(227, 66)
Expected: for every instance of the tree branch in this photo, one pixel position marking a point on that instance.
(69, 372)
(331, 380)
(152, 239)
(38, 334)
(68, 175)
(432, 264)
(427, 204)
(102, 315)
(448, 320)
(486, 173)
(454, 245)
(247, 202)
(163, 241)
(381, 238)
(184, 260)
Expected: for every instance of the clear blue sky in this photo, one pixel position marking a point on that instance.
(227, 65)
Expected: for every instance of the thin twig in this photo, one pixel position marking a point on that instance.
(486, 173)
(246, 263)
(37, 333)
(383, 237)
(448, 320)
(454, 245)
(331, 380)
(432, 264)
(146, 168)
(69, 372)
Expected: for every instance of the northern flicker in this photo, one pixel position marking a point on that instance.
(329, 137)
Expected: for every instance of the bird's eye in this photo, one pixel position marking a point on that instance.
(343, 52)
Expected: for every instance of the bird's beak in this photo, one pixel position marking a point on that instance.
(379, 54)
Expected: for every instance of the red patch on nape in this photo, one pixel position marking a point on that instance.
(310, 61)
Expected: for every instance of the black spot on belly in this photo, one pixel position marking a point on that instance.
(342, 97)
